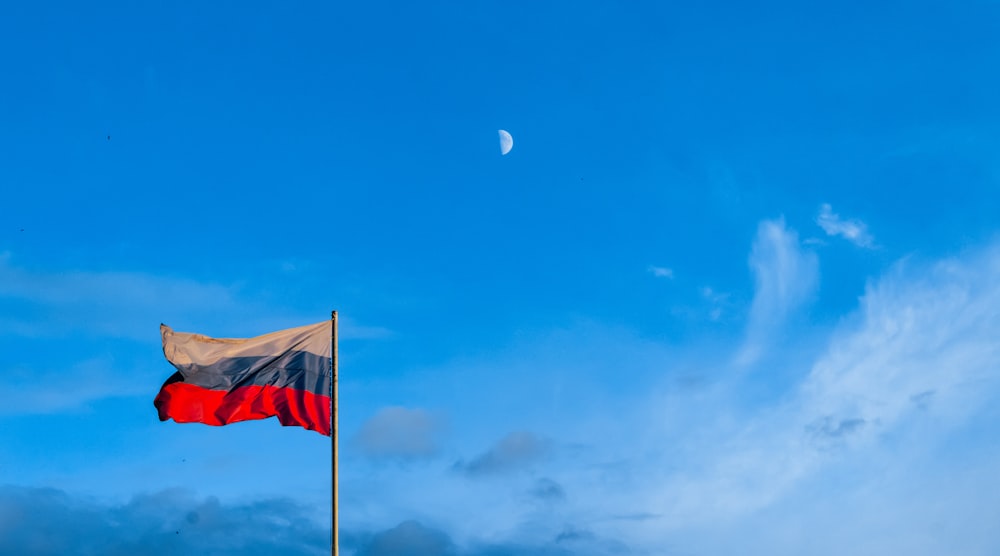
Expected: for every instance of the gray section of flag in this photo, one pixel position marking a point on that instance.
(295, 369)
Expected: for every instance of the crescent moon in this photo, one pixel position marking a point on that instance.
(506, 142)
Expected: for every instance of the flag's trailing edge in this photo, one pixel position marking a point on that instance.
(284, 374)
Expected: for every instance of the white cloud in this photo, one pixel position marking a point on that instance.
(927, 337)
(852, 230)
(785, 277)
(718, 301)
(661, 272)
(915, 370)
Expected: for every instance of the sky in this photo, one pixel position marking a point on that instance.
(735, 289)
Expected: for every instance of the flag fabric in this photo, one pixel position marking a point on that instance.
(284, 374)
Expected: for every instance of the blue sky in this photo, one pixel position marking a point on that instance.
(736, 288)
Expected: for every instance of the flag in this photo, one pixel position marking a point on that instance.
(284, 374)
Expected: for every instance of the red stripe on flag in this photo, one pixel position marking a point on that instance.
(186, 403)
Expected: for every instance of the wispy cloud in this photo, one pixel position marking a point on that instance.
(399, 432)
(929, 329)
(921, 349)
(128, 304)
(718, 301)
(512, 452)
(852, 230)
(785, 276)
(661, 271)
(123, 304)
(38, 392)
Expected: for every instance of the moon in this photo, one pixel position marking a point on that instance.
(506, 142)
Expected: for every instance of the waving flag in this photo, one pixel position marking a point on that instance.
(284, 374)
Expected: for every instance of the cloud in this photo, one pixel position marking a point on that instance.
(785, 276)
(661, 272)
(399, 432)
(571, 534)
(716, 306)
(548, 490)
(512, 452)
(108, 303)
(581, 540)
(409, 538)
(913, 371)
(924, 330)
(854, 231)
(41, 521)
(923, 399)
(123, 304)
(843, 428)
(32, 392)
(718, 301)
(826, 428)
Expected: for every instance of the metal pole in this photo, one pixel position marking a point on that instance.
(335, 540)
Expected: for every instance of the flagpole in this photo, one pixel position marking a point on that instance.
(335, 535)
